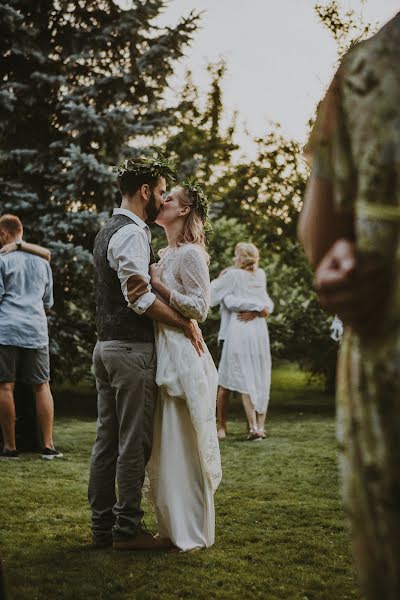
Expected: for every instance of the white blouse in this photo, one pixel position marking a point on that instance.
(185, 272)
(237, 290)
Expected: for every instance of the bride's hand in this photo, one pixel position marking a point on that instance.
(155, 274)
(193, 332)
(7, 248)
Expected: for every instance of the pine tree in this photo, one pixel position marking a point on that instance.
(81, 86)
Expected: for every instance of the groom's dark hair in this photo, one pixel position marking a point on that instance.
(135, 172)
(129, 183)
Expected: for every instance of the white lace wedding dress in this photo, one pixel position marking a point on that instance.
(185, 466)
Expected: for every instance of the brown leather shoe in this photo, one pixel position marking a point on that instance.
(164, 542)
(143, 540)
(102, 541)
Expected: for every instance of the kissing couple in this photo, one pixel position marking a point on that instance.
(156, 381)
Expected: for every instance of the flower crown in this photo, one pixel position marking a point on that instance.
(198, 197)
(152, 166)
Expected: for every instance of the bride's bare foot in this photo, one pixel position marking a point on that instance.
(221, 433)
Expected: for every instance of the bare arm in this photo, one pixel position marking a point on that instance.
(320, 224)
(159, 311)
(27, 247)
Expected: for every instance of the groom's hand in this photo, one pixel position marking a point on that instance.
(193, 333)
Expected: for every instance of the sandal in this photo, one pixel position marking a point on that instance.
(253, 435)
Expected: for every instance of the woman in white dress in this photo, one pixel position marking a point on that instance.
(245, 365)
(185, 467)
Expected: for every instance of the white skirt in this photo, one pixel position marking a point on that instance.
(183, 498)
(185, 465)
(245, 365)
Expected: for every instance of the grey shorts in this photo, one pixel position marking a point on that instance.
(25, 365)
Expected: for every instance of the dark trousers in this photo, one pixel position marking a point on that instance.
(126, 395)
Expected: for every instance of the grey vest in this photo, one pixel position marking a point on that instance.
(114, 319)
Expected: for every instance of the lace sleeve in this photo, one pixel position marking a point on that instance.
(195, 301)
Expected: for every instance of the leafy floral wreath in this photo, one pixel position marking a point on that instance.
(153, 166)
(200, 201)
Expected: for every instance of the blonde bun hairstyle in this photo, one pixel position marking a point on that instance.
(247, 256)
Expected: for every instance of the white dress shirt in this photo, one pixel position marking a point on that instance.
(129, 254)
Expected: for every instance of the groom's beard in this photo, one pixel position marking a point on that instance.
(151, 208)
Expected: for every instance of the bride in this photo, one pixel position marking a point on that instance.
(185, 468)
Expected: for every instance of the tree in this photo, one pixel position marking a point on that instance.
(199, 143)
(80, 82)
(346, 26)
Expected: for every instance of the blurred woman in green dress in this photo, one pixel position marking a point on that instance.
(350, 229)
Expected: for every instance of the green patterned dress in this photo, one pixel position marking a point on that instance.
(355, 144)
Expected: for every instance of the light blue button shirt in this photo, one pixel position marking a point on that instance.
(26, 293)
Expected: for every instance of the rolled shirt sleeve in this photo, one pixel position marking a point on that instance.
(129, 254)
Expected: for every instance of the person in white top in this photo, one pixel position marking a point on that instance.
(245, 364)
(185, 466)
(244, 311)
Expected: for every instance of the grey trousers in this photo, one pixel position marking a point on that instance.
(126, 395)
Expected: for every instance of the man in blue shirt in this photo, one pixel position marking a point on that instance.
(26, 294)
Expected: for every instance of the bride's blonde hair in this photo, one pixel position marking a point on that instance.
(248, 256)
(194, 225)
(193, 229)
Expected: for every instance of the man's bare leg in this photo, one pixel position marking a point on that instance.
(45, 412)
(7, 415)
(222, 411)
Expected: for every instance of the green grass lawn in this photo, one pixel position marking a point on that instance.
(279, 523)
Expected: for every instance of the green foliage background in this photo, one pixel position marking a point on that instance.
(82, 87)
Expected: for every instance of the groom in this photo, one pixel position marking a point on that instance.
(124, 357)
